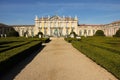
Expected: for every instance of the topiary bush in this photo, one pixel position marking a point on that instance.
(99, 33)
(73, 33)
(117, 33)
(39, 33)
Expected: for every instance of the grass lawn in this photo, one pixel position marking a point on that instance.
(105, 51)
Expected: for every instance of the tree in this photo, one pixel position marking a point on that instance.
(3, 25)
(117, 33)
(99, 33)
(12, 33)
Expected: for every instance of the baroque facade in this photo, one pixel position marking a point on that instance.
(49, 26)
(55, 25)
(62, 26)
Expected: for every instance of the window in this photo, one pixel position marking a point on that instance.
(80, 33)
(51, 32)
(85, 31)
(93, 31)
(22, 32)
(89, 31)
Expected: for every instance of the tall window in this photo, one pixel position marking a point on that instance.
(60, 31)
(39, 28)
(80, 33)
(27, 31)
(45, 31)
(93, 32)
(32, 33)
(66, 31)
(51, 32)
(23, 32)
(89, 31)
(85, 32)
(56, 32)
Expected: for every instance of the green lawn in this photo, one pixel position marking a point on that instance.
(105, 51)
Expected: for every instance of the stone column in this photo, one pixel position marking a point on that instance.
(44, 28)
(86, 32)
(91, 32)
(63, 25)
(20, 33)
(107, 32)
(114, 31)
(49, 24)
(67, 28)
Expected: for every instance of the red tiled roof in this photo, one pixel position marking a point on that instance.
(115, 22)
(21, 25)
(91, 25)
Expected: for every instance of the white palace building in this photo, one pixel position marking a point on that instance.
(61, 26)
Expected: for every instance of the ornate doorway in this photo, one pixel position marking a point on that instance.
(56, 32)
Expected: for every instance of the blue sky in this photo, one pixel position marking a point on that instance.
(88, 11)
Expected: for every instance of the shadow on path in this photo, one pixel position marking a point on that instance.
(16, 70)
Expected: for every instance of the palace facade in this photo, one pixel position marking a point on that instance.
(89, 30)
(62, 26)
(49, 26)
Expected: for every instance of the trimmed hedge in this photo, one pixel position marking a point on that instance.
(71, 39)
(45, 40)
(102, 54)
(13, 45)
(13, 56)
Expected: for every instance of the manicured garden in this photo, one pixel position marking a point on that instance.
(15, 49)
(105, 51)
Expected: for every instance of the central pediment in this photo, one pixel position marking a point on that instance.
(55, 18)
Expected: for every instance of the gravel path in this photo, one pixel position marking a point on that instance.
(60, 61)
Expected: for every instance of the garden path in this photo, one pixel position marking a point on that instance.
(60, 61)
